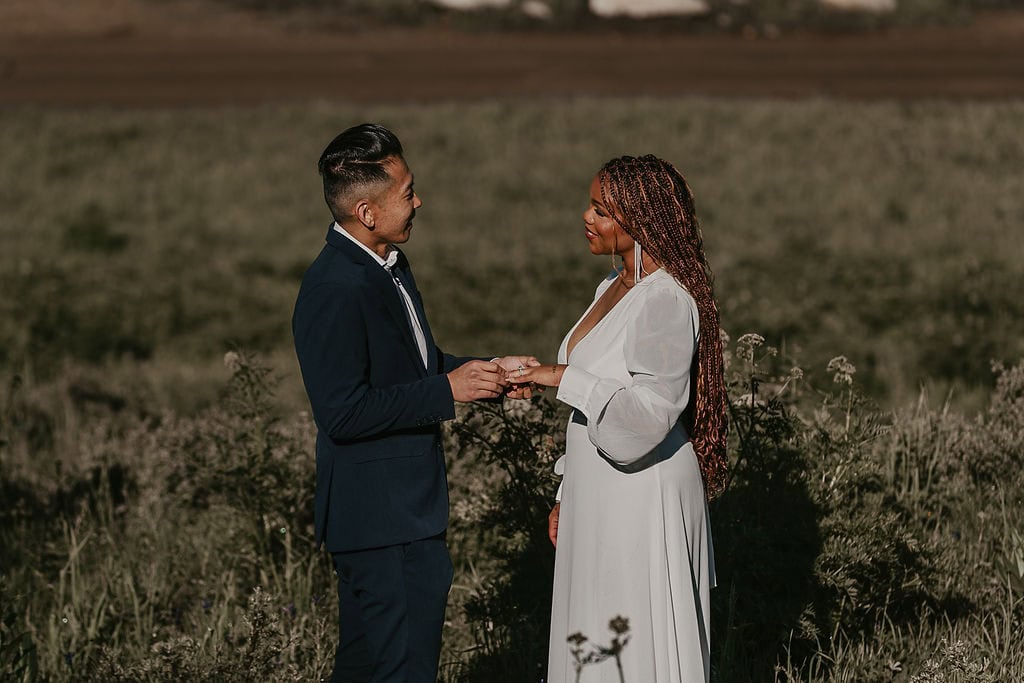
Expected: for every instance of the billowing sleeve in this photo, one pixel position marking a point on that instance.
(627, 421)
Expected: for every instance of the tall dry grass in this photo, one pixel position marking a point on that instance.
(155, 523)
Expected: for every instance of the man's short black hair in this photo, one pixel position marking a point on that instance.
(356, 157)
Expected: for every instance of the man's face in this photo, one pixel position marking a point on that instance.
(395, 206)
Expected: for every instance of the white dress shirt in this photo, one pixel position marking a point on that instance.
(410, 310)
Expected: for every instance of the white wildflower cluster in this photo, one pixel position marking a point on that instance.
(843, 369)
(471, 510)
(751, 339)
(746, 345)
(233, 361)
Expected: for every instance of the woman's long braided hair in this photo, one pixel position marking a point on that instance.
(652, 203)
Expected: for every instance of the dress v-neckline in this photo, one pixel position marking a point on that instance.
(568, 338)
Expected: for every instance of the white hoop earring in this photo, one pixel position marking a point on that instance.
(637, 261)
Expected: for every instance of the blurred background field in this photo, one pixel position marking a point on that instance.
(148, 243)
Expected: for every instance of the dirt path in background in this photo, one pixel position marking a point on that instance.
(136, 53)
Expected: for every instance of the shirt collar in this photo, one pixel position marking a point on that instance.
(387, 264)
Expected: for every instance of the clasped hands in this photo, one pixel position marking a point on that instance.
(512, 376)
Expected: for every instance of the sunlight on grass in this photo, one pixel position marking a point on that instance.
(157, 499)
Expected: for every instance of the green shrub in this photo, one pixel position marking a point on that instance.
(507, 612)
(144, 548)
(826, 548)
(178, 548)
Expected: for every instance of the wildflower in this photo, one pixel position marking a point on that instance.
(746, 344)
(796, 373)
(232, 361)
(843, 368)
(471, 510)
(577, 639)
(750, 339)
(619, 625)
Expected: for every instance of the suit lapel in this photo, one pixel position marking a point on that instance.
(384, 291)
(405, 275)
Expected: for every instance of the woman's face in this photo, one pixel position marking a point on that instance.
(602, 232)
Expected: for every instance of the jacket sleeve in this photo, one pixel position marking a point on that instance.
(333, 351)
(627, 421)
(448, 362)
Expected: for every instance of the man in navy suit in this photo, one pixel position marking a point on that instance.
(379, 389)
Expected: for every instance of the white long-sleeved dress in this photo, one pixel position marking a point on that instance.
(634, 539)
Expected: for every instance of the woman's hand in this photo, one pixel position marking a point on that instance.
(553, 525)
(542, 375)
(510, 365)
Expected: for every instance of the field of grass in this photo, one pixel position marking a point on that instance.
(148, 489)
(147, 243)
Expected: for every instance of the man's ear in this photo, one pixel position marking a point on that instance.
(364, 213)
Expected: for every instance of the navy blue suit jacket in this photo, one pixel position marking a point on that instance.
(380, 473)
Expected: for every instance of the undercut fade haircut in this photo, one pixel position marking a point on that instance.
(354, 159)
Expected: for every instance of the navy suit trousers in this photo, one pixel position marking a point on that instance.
(391, 604)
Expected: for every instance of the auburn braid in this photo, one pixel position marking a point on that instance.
(652, 203)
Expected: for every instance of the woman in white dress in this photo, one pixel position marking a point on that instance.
(645, 445)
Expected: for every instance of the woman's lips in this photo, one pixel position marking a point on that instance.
(590, 235)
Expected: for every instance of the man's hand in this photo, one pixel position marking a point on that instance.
(553, 525)
(477, 379)
(511, 366)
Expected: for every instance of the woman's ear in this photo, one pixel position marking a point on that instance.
(364, 214)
